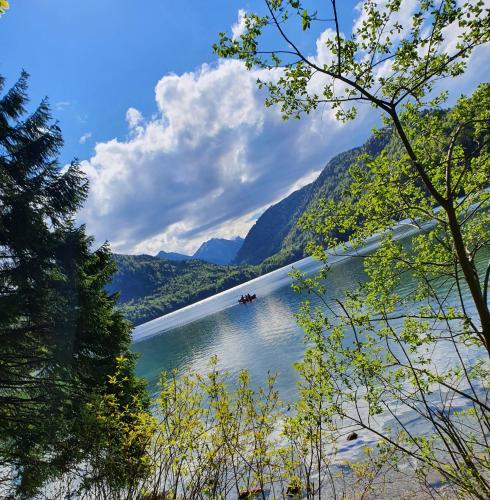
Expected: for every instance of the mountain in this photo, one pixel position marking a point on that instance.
(149, 287)
(152, 286)
(216, 251)
(276, 239)
(172, 256)
(267, 235)
(219, 250)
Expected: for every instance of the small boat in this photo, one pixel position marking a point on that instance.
(244, 299)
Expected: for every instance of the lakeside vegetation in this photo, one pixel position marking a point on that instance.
(60, 334)
(75, 422)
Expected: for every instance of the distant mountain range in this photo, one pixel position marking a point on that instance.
(152, 286)
(216, 251)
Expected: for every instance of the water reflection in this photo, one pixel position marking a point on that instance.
(262, 336)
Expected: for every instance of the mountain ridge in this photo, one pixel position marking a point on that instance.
(176, 256)
(276, 238)
(220, 251)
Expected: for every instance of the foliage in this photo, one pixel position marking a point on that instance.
(433, 316)
(59, 332)
(4, 5)
(382, 62)
(213, 437)
(119, 430)
(219, 439)
(379, 346)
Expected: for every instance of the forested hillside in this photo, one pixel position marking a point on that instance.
(276, 235)
(267, 235)
(150, 287)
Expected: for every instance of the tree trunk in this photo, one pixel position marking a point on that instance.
(470, 274)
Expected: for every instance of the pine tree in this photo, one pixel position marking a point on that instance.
(59, 332)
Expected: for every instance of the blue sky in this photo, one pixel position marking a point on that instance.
(177, 145)
(97, 58)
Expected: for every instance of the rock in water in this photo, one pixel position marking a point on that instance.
(352, 436)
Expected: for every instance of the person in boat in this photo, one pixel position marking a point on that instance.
(244, 299)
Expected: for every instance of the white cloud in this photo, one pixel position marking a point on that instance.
(323, 55)
(133, 117)
(85, 137)
(210, 159)
(238, 29)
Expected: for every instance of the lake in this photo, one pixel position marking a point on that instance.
(263, 336)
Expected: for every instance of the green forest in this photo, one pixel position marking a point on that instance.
(149, 287)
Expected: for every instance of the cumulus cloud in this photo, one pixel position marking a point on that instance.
(85, 137)
(323, 54)
(212, 158)
(208, 161)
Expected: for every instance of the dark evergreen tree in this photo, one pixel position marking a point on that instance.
(59, 332)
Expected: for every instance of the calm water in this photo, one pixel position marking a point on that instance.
(262, 337)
